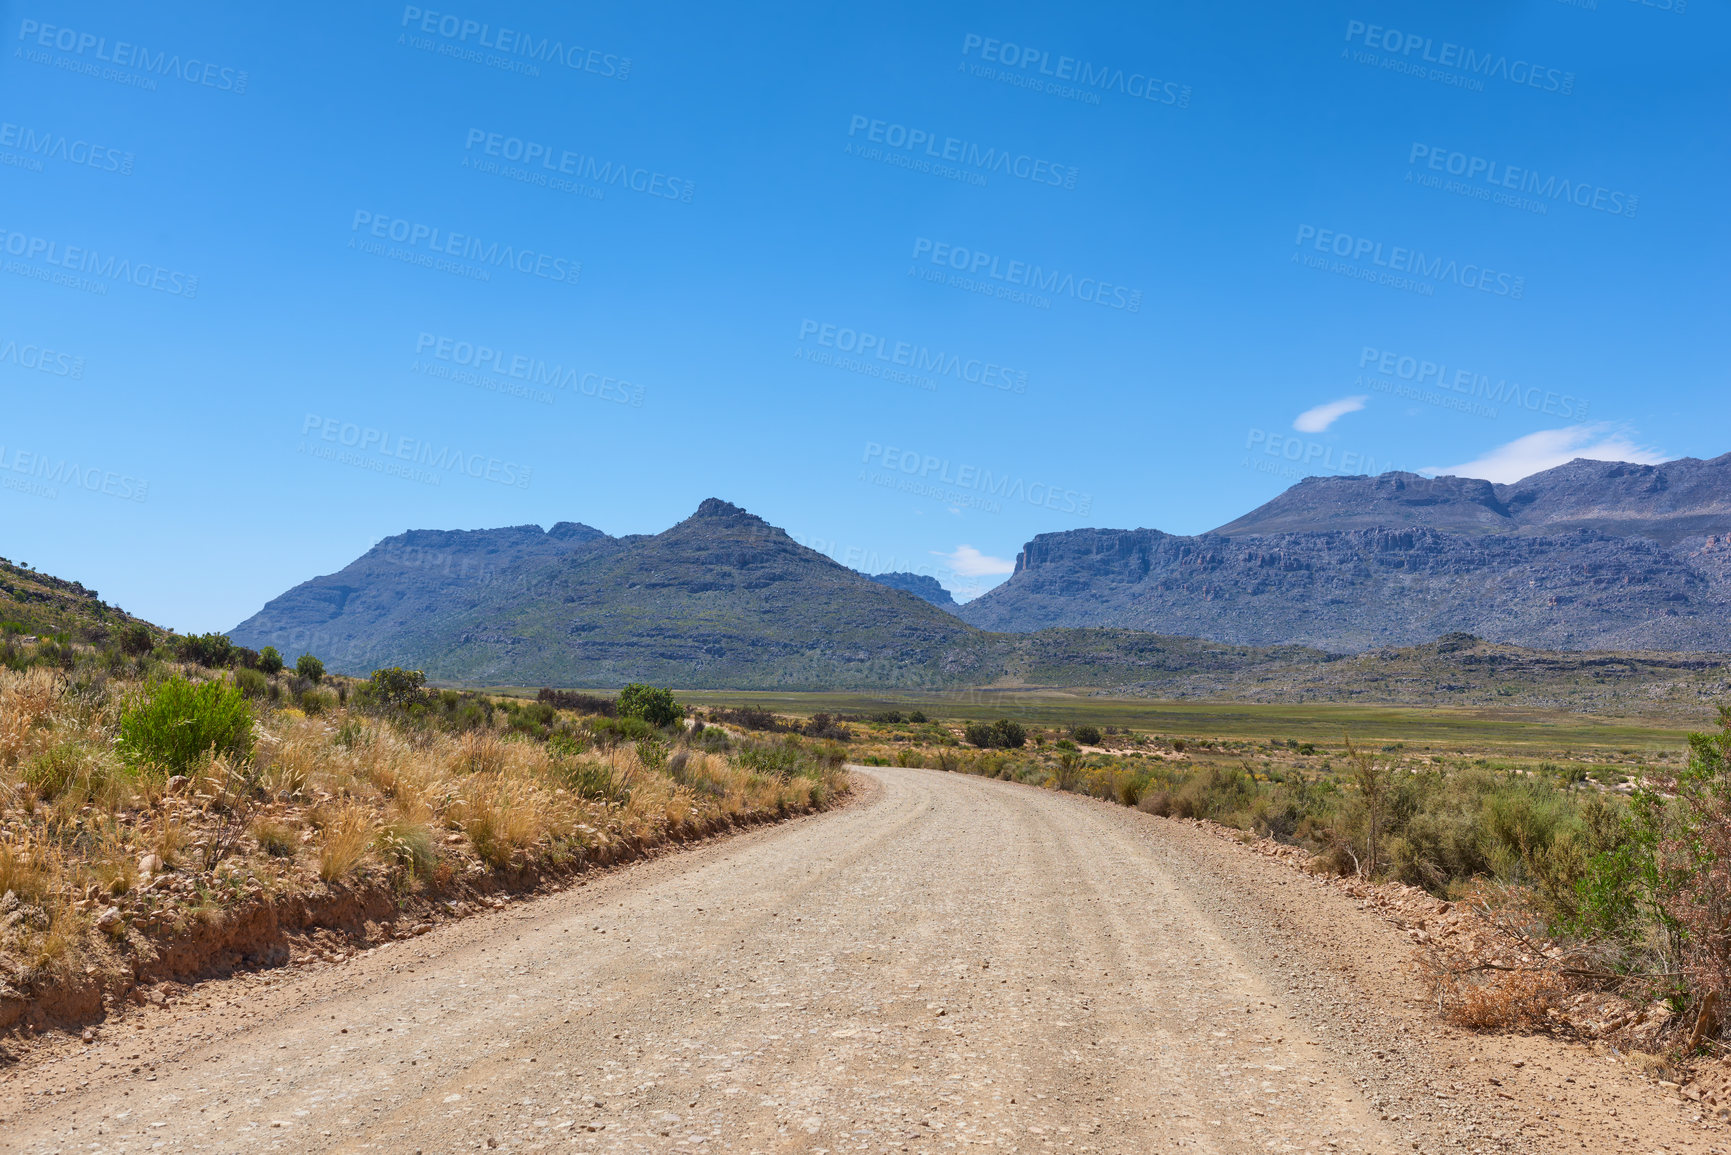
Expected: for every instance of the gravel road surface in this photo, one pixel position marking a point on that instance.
(944, 962)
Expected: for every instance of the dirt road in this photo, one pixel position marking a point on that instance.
(944, 962)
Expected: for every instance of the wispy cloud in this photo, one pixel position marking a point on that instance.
(1549, 448)
(1318, 419)
(970, 562)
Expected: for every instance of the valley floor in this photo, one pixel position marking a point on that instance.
(945, 961)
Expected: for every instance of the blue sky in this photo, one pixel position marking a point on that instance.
(281, 281)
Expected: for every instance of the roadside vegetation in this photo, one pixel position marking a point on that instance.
(1607, 872)
(152, 787)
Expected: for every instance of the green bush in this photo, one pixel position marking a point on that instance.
(315, 702)
(609, 732)
(653, 705)
(252, 683)
(1011, 735)
(136, 640)
(180, 722)
(269, 660)
(310, 668)
(395, 686)
(980, 734)
(208, 650)
(1086, 735)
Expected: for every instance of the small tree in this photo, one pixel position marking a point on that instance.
(1011, 735)
(136, 640)
(310, 668)
(1086, 735)
(269, 660)
(653, 705)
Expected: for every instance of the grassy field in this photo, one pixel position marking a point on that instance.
(1507, 732)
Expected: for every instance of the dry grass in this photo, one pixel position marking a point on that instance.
(276, 839)
(374, 800)
(476, 753)
(25, 699)
(1506, 1000)
(502, 815)
(345, 841)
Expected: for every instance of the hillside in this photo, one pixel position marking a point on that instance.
(1588, 556)
(35, 603)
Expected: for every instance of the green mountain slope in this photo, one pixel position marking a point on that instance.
(35, 603)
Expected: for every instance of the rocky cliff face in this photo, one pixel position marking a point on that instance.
(1355, 563)
(920, 585)
(1667, 503)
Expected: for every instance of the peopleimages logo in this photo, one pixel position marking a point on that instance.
(431, 241)
(1514, 180)
(40, 358)
(1425, 373)
(498, 370)
(135, 56)
(36, 145)
(914, 357)
(460, 31)
(917, 472)
(389, 451)
(561, 162)
(1038, 63)
(79, 259)
(1403, 261)
(1299, 453)
(1463, 63)
(44, 471)
(927, 145)
(1023, 274)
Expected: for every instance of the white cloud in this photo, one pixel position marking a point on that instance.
(1549, 448)
(1318, 419)
(970, 562)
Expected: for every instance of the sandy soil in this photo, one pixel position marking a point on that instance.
(945, 962)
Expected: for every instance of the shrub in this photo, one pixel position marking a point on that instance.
(252, 683)
(1010, 734)
(179, 723)
(751, 718)
(269, 660)
(315, 702)
(310, 668)
(1086, 735)
(208, 650)
(610, 732)
(395, 686)
(826, 727)
(136, 640)
(654, 706)
(577, 703)
(536, 719)
(980, 734)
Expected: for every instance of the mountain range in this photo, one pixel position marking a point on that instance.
(1587, 556)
